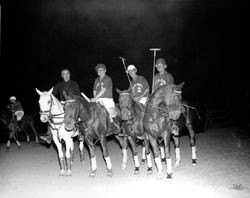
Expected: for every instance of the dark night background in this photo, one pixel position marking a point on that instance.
(198, 38)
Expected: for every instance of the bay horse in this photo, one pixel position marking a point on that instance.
(94, 123)
(159, 126)
(132, 114)
(14, 128)
(52, 112)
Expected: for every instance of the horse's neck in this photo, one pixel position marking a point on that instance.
(57, 107)
(84, 110)
(154, 101)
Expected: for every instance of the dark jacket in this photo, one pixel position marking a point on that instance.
(70, 86)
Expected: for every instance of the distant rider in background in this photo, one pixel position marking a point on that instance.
(16, 108)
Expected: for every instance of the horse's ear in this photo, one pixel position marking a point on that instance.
(118, 91)
(39, 92)
(51, 90)
(180, 86)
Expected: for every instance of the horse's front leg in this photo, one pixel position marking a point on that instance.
(192, 142)
(27, 135)
(166, 137)
(69, 154)
(81, 151)
(156, 152)
(148, 155)
(177, 150)
(106, 156)
(60, 155)
(12, 135)
(35, 132)
(92, 148)
(123, 141)
(132, 142)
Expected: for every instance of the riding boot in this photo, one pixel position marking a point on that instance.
(47, 137)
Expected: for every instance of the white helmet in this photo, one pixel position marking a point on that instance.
(131, 67)
(12, 98)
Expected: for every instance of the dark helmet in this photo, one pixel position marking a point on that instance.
(160, 60)
(100, 66)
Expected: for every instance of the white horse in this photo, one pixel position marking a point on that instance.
(51, 111)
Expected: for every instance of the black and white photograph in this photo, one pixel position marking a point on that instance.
(124, 98)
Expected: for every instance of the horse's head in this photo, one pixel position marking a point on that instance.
(46, 102)
(125, 103)
(71, 111)
(172, 98)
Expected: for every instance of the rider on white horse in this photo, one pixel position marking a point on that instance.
(65, 85)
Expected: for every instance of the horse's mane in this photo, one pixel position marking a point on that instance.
(57, 101)
(162, 90)
(81, 102)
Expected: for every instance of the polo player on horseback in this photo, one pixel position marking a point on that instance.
(16, 108)
(103, 93)
(162, 78)
(140, 86)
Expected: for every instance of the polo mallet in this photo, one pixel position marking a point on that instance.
(123, 62)
(154, 50)
(86, 97)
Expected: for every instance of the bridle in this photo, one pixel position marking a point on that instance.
(52, 117)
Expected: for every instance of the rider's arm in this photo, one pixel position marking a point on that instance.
(100, 93)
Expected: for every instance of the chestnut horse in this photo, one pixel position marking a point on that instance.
(93, 122)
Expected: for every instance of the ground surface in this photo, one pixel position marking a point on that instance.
(223, 171)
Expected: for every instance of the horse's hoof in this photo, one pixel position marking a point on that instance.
(19, 147)
(137, 171)
(149, 171)
(169, 177)
(83, 163)
(160, 176)
(124, 166)
(7, 149)
(194, 162)
(110, 173)
(143, 161)
(68, 173)
(177, 164)
(92, 174)
(62, 173)
(163, 160)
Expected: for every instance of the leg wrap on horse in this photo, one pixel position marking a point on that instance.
(62, 163)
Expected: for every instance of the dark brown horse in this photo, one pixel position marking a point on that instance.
(132, 114)
(93, 121)
(153, 123)
(13, 127)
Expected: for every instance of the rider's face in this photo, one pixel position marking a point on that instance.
(161, 67)
(65, 75)
(132, 73)
(101, 72)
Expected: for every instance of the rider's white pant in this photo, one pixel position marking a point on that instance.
(109, 104)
